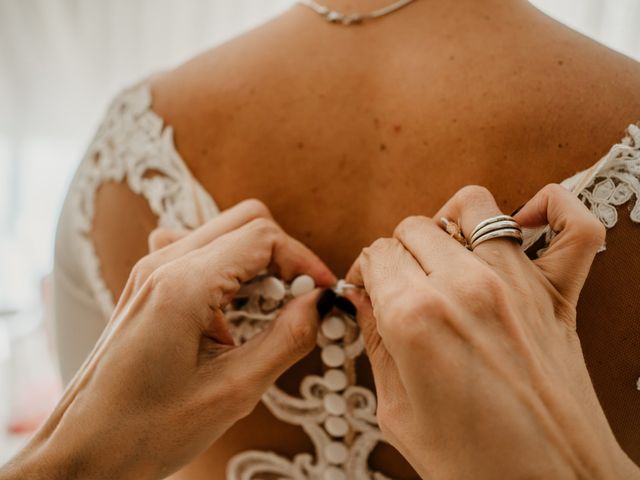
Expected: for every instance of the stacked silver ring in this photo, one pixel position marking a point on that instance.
(500, 226)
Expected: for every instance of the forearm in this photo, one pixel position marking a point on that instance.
(34, 464)
(78, 453)
(51, 464)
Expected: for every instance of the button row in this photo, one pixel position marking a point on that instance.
(333, 355)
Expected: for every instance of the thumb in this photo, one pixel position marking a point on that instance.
(292, 335)
(389, 387)
(579, 235)
(367, 323)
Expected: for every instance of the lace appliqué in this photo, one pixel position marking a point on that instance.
(616, 181)
(337, 415)
(613, 181)
(132, 145)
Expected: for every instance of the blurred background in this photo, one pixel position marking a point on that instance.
(60, 63)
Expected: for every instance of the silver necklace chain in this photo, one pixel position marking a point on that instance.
(333, 16)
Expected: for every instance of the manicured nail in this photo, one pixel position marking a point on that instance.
(518, 209)
(346, 306)
(325, 302)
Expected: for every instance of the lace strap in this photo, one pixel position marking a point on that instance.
(132, 145)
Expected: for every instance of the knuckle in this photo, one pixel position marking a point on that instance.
(143, 269)
(160, 281)
(485, 280)
(410, 223)
(426, 302)
(381, 245)
(586, 227)
(405, 318)
(264, 227)
(552, 189)
(491, 281)
(473, 193)
(256, 208)
(378, 247)
(590, 230)
(155, 238)
(483, 288)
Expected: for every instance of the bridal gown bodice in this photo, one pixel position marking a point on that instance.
(133, 146)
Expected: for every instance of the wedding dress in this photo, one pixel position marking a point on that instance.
(134, 146)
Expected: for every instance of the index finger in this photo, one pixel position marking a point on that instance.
(218, 268)
(234, 218)
(387, 271)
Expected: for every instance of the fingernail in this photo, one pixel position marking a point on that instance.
(346, 306)
(517, 209)
(325, 302)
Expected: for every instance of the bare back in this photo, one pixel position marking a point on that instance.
(343, 132)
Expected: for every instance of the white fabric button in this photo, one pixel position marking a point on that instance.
(272, 288)
(335, 404)
(301, 285)
(336, 426)
(336, 452)
(333, 328)
(334, 473)
(336, 380)
(332, 356)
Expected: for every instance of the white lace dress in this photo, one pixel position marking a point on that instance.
(134, 146)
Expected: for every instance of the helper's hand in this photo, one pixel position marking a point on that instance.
(165, 380)
(477, 364)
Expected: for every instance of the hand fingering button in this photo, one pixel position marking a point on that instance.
(332, 356)
(272, 288)
(336, 452)
(336, 380)
(335, 404)
(301, 285)
(333, 328)
(336, 426)
(334, 473)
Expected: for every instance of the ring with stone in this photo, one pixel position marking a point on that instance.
(454, 230)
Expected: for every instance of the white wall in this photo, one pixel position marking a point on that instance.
(60, 63)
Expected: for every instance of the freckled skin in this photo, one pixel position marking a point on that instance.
(343, 132)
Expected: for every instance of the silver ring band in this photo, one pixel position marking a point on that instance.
(502, 233)
(499, 226)
(490, 227)
(497, 218)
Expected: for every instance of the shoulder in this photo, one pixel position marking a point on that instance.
(600, 87)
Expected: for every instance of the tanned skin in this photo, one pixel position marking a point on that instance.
(344, 131)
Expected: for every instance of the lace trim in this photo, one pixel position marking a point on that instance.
(336, 414)
(613, 181)
(131, 145)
